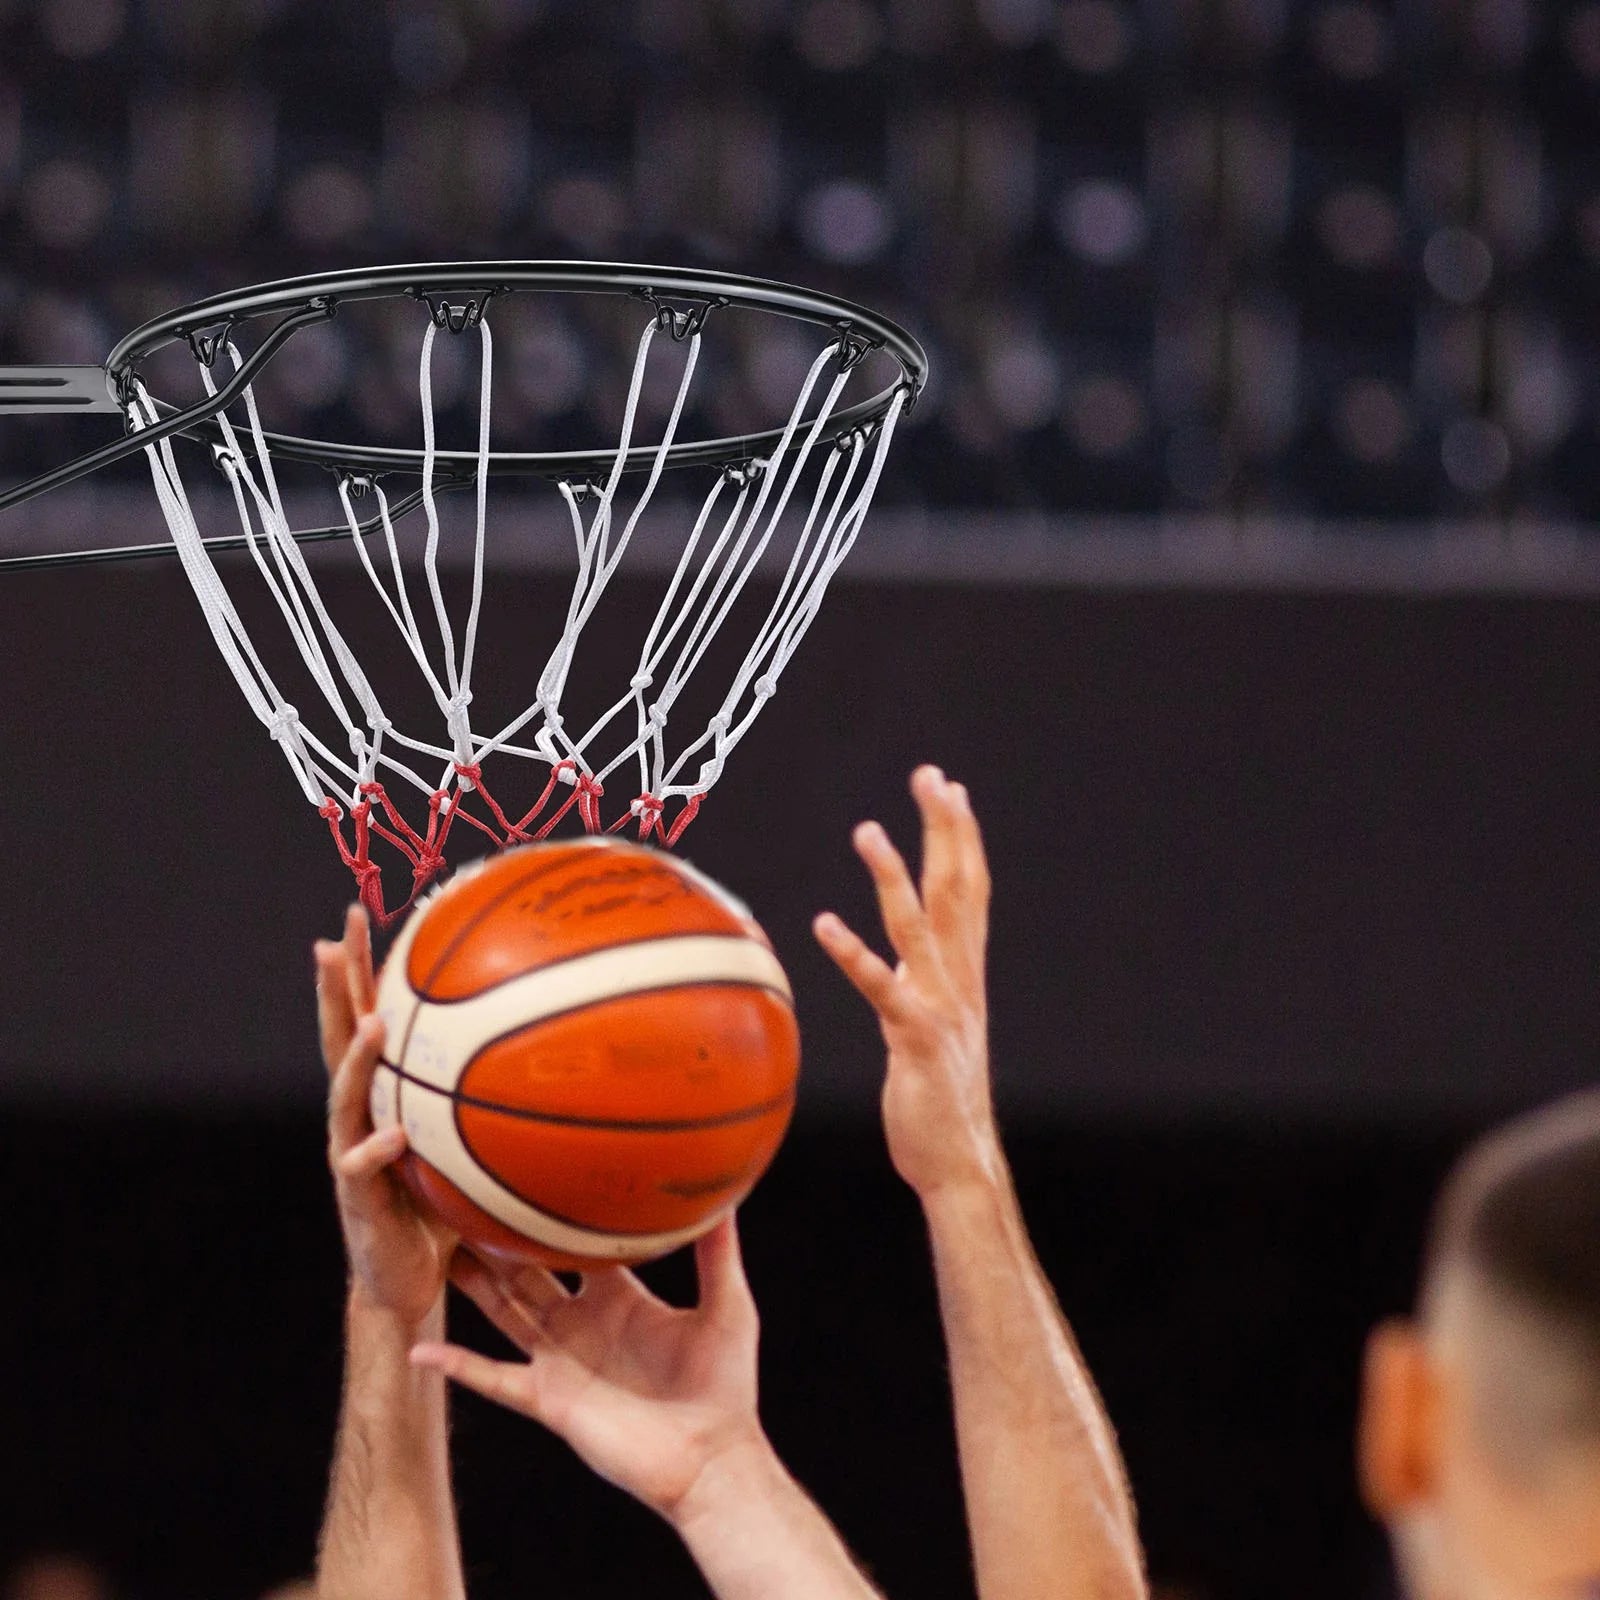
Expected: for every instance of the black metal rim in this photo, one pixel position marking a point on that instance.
(456, 294)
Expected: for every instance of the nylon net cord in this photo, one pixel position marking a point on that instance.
(349, 778)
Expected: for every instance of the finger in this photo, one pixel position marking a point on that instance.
(942, 855)
(872, 976)
(349, 1117)
(358, 954)
(719, 1264)
(507, 1383)
(604, 1286)
(524, 1281)
(336, 1020)
(514, 1318)
(903, 919)
(368, 1158)
(975, 858)
(954, 874)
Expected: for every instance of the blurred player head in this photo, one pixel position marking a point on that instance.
(54, 1575)
(1480, 1432)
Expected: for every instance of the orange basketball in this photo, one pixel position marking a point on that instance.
(592, 1049)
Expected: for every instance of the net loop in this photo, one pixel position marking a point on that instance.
(368, 874)
(649, 811)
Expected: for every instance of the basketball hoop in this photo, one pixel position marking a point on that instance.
(795, 496)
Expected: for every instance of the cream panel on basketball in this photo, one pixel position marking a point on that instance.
(396, 1000)
(445, 1036)
(431, 1132)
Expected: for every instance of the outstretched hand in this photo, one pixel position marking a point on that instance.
(937, 1109)
(399, 1257)
(647, 1394)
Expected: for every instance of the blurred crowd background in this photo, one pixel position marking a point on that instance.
(1296, 884)
(1321, 258)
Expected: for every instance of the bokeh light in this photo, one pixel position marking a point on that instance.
(845, 221)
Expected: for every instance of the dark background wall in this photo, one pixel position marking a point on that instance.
(173, 1340)
(1253, 853)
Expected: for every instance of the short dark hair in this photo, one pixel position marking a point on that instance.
(1522, 1211)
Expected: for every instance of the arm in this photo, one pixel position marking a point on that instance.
(389, 1532)
(389, 1528)
(1048, 1503)
(661, 1402)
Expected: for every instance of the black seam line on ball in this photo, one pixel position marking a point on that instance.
(536, 870)
(629, 994)
(616, 1124)
(734, 937)
(590, 1228)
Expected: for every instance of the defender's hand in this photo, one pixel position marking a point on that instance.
(399, 1258)
(937, 1110)
(648, 1395)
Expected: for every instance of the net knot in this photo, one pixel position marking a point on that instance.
(656, 716)
(330, 810)
(282, 721)
(590, 792)
(458, 702)
(766, 686)
(721, 722)
(640, 680)
(379, 723)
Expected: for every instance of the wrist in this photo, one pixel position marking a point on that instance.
(743, 1473)
(380, 1319)
(979, 1206)
(979, 1174)
(378, 1333)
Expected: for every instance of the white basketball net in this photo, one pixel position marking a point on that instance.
(809, 497)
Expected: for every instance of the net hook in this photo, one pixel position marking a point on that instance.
(455, 316)
(582, 489)
(206, 347)
(854, 347)
(861, 434)
(681, 323)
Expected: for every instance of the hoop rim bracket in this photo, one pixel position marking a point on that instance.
(51, 390)
(195, 422)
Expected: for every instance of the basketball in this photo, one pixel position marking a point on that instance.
(592, 1049)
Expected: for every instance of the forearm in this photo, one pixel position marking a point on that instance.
(756, 1535)
(1047, 1496)
(390, 1530)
